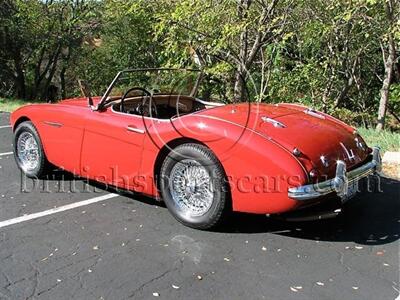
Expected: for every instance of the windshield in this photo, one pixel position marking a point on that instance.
(185, 82)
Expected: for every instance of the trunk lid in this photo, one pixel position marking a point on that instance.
(314, 134)
(321, 140)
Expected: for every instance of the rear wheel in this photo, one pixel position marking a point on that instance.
(193, 186)
(28, 151)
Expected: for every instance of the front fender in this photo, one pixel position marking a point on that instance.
(22, 112)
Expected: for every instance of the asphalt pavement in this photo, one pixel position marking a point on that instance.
(127, 246)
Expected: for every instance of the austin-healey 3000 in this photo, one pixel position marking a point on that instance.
(203, 158)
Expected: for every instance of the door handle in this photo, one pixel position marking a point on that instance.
(135, 129)
(54, 124)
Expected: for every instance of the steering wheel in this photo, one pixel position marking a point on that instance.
(151, 106)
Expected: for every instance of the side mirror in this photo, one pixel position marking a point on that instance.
(85, 90)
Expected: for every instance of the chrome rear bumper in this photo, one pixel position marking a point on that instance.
(340, 183)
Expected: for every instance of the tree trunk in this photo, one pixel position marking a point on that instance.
(385, 86)
(20, 84)
(20, 76)
(239, 93)
(51, 74)
(62, 79)
(65, 62)
(389, 66)
(239, 86)
(349, 83)
(18, 72)
(52, 61)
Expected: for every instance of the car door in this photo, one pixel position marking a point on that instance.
(112, 148)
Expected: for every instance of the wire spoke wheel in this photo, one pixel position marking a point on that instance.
(191, 187)
(28, 151)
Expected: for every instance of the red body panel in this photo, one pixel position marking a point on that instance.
(111, 153)
(256, 156)
(61, 130)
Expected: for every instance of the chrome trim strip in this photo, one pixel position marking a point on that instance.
(314, 113)
(133, 129)
(209, 103)
(54, 124)
(273, 122)
(340, 182)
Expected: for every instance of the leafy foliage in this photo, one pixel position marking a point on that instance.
(323, 53)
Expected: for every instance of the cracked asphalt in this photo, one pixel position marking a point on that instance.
(130, 247)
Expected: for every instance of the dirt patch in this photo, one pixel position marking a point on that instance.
(391, 170)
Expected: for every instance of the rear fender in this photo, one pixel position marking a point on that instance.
(259, 171)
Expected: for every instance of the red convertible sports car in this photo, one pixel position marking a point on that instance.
(202, 158)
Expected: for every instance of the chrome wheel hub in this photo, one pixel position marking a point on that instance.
(191, 187)
(28, 151)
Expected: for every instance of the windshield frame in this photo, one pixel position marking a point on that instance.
(103, 100)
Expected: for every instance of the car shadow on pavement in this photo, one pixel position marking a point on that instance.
(59, 175)
(370, 218)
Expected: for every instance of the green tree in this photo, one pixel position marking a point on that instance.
(226, 36)
(390, 56)
(38, 40)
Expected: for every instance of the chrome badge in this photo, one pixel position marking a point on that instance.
(349, 153)
(324, 161)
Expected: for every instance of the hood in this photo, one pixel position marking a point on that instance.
(320, 139)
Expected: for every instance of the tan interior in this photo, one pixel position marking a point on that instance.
(185, 103)
(167, 105)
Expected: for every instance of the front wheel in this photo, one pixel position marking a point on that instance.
(193, 186)
(28, 151)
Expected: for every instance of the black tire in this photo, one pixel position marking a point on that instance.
(43, 165)
(220, 203)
